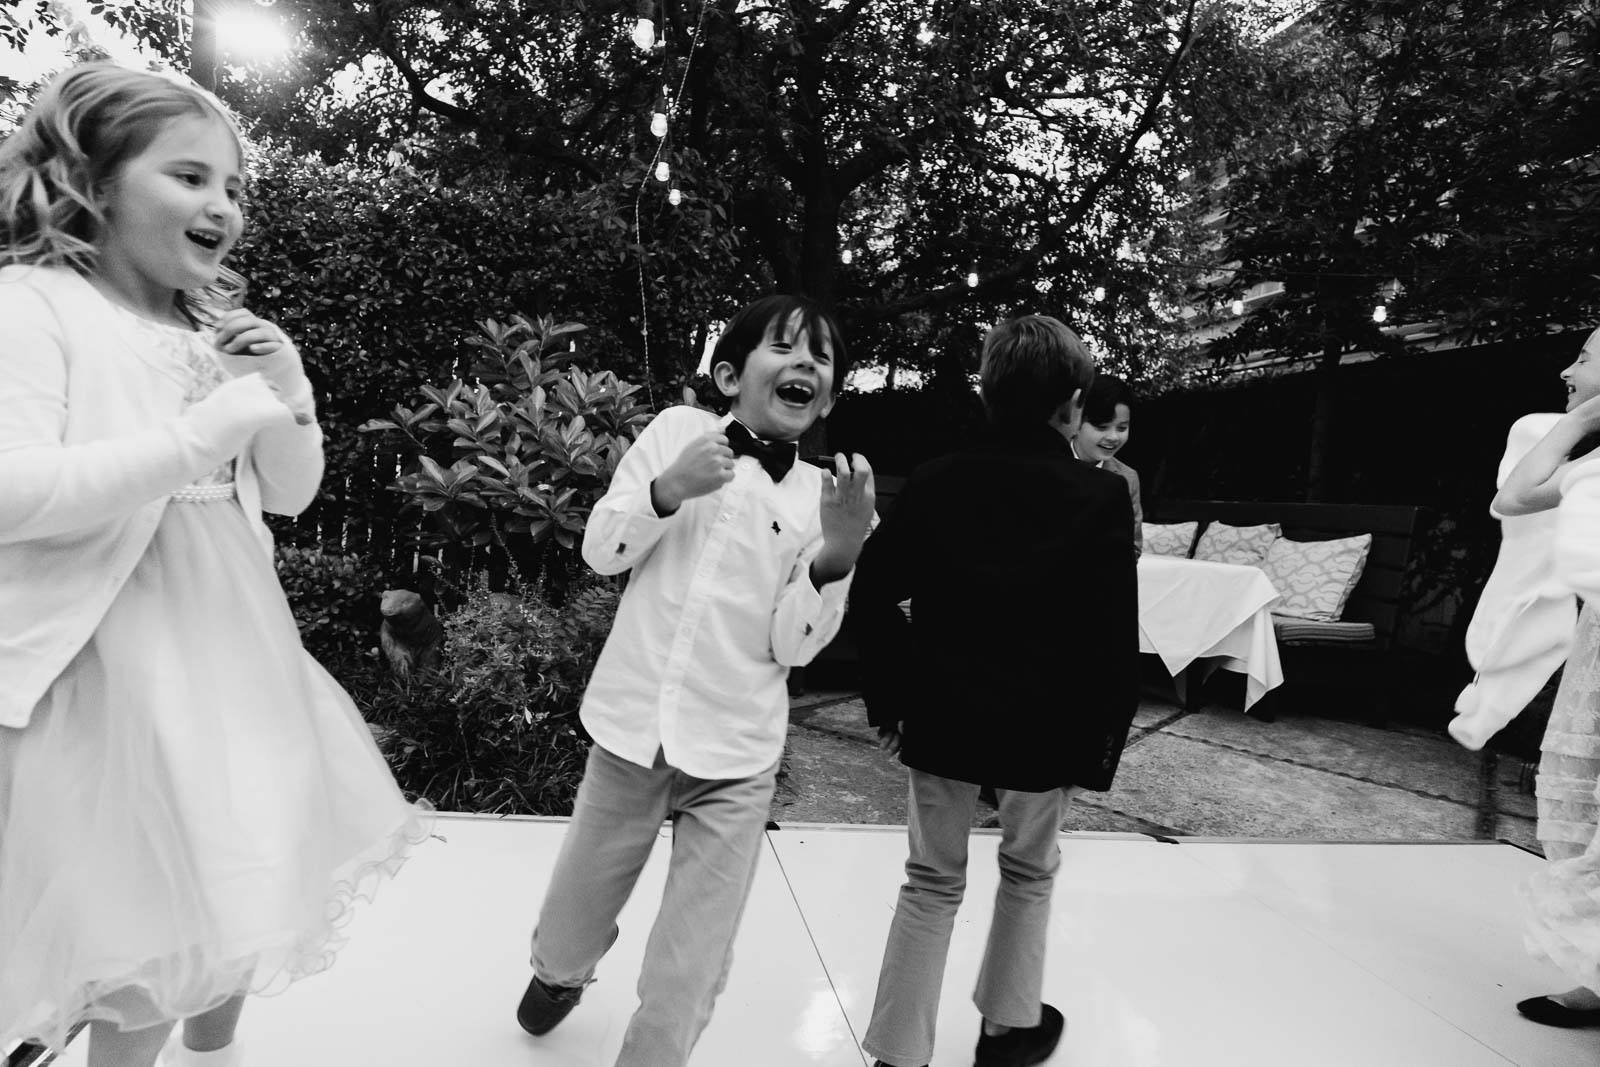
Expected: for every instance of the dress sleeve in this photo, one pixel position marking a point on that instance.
(52, 487)
(1577, 537)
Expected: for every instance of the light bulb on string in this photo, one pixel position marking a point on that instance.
(972, 279)
(674, 197)
(644, 31)
(663, 172)
(846, 256)
(924, 34)
(1380, 313)
(1099, 293)
(658, 124)
(1237, 307)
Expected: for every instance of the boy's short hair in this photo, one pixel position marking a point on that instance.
(1032, 365)
(1101, 400)
(748, 328)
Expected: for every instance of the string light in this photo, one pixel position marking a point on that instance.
(1380, 313)
(1237, 307)
(644, 31)
(1099, 293)
(846, 256)
(644, 35)
(972, 279)
(924, 34)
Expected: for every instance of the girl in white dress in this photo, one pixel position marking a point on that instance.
(189, 804)
(1564, 923)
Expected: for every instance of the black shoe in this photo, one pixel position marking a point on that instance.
(1022, 1046)
(543, 1006)
(1553, 1013)
(880, 1063)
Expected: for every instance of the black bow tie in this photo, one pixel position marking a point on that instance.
(775, 457)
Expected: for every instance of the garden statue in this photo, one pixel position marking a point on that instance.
(410, 633)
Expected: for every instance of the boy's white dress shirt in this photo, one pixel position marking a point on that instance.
(718, 606)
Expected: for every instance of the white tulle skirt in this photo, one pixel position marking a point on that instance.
(195, 806)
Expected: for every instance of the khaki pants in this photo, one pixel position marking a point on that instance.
(1012, 975)
(717, 832)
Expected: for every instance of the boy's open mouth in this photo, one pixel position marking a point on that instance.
(796, 393)
(208, 241)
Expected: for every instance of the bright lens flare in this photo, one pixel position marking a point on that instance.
(251, 36)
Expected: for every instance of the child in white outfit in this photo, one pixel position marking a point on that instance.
(740, 559)
(189, 804)
(1522, 625)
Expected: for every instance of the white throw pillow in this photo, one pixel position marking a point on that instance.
(1316, 577)
(1245, 545)
(1169, 539)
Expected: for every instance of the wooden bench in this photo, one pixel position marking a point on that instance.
(1358, 647)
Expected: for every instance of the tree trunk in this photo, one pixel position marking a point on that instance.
(1319, 483)
(203, 45)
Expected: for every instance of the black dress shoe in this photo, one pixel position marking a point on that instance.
(1022, 1046)
(1553, 1013)
(543, 1006)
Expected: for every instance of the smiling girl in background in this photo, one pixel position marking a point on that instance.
(189, 804)
(1107, 414)
(1569, 761)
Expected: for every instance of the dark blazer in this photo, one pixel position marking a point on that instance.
(1018, 667)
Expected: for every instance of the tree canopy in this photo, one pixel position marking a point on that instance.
(875, 154)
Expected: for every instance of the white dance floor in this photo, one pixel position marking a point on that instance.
(1193, 954)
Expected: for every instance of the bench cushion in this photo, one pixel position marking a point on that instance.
(1315, 577)
(1169, 539)
(1291, 631)
(1222, 543)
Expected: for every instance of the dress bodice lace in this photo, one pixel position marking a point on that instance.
(194, 351)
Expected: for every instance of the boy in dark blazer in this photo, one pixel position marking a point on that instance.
(1016, 668)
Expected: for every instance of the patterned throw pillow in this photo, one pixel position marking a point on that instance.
(1247, 545)
(1316, 577)
(1169, 539)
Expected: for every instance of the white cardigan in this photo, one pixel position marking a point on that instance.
(1577, 551)
(1523, 624)
(94, 439)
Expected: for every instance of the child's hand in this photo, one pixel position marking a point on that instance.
(846, 510)
(242, 333)
(704, 466)
(889, 738)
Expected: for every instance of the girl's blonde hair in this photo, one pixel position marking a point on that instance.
(86, 125)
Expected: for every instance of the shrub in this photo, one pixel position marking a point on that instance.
(514, 455)
(335, 602)
(495, 729)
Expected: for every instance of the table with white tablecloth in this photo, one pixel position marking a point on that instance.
(1194, 609)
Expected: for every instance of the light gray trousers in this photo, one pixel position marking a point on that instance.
(1011, 978)
(717, 832)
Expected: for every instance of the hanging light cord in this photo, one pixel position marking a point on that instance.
(638, 200)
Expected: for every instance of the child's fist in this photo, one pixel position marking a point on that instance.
(704, 466)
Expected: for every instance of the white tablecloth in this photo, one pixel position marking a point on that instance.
(1193, 609)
